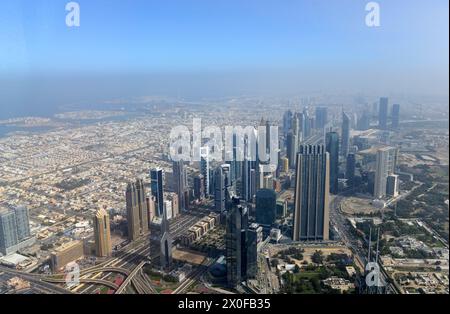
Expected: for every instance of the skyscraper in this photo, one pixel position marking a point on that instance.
(248, 180)
(332, 147)
(345, 134)
(385, 165)
(235, 243)
(266, 206)
(157, 187)
(199, 187)
(350, 169)
(321, 117)
(306, 122)
(151, 208)
(133, 220)
(14, 229)
(221, 184)
(287, 122)
(392, 185)
(204, 168)
(102, 234)
(141, 196)
(180, 184)
(297, 126)
(8, 231)
(291, 150)
(395, 116)
(160, 242)
(311, 212)
(22, 222)
(383, 113)
(363, 121)
(253, 238)
(137, 209)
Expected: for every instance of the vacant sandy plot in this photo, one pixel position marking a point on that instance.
(356, 205)
(188, 256)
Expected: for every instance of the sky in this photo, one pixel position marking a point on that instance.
(278, 44)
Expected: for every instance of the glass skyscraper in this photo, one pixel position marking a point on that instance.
(266, 206)
(311, 212)
(345, 134)
(8, 231)
(395, 116)
(383, 113)
(156, 185)
(332, 147)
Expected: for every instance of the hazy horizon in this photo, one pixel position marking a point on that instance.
(219, 48)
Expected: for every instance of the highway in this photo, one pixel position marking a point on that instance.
(36, 281)
(136, 252)
(338, 219)
(194, 276)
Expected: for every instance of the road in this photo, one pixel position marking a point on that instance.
(338, 219)
(136, 252)
(36, 281)
(194, 276)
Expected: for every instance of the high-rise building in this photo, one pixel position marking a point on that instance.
(151, 208)
(221, 184)
(284, 165)
(160, 242)
(157, 187)
(168, 208)
(22, 222)
(395, 116)
(385, 165)
(321, 117)
(66, 253)
(14, 229)
(8, 231)
(311, 212)
(350, 169)
(392, 185)
(266, 206)
(141, 196)
(204, 169)
(132, 212)
(248, 180)
(254, 237)
(291, 150)
(363, 121)
(296, 127)
(332, 147)
(383, 113)
(137, 209)
(181, 184)
(236, 243)
(287, 122)
(345, 134)
(102, 234)
(306, 121)
(199, 187)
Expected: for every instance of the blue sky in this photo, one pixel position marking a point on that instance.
(232, 35)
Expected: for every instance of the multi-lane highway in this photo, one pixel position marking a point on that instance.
(138, 251)
(338, 219)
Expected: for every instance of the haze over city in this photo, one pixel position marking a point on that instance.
(217, 48)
